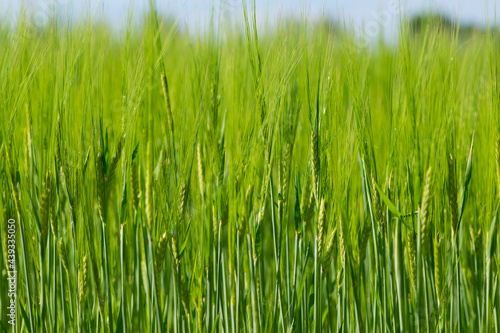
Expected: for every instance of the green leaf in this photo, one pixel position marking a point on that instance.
(388, 202)
(468, 175)
(186, 238)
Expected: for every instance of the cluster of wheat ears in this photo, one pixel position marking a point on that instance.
(230, 182)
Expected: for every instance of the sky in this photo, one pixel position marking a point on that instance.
(369, 17)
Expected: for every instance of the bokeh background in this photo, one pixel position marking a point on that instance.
(369, 17)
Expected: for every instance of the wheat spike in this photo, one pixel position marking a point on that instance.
(425, 215)
(83, 279)
(377, 207)
(101, 186)
(160, 258)
(113, 164)
(175, 251)
(134, 181)
(328, 253)
(438, 265)
(63, 254)
(411, 250)
(321, 227)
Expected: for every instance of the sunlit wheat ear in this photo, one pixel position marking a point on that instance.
(342, 242)
(425, 214)
(134, 182)
(284, 172)
(83, 278)
(321, 227)
(182, 195)
(63, 254)
(101, 186)
(452, 194)
(411, 255)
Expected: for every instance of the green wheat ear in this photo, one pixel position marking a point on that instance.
(425, 214)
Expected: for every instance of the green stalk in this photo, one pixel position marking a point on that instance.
(122, 261)
(153, 281)
(23, 244)
(255, 317)
(106, 272)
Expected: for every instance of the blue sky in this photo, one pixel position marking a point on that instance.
(368, 16)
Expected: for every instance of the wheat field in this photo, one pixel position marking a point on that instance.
(246, 180)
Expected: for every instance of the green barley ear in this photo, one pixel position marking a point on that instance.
(284, 172)
(341, 251)
(160, 258)
(166, 95)
(315, 166)
(342, 242)
(328, 253)
(182, 194)
(175, 250)
(63, 254)
(101, 185)
(83, 279)
(425, 215)
(411, 251)
(452, 194)
(134, 179)
(377, 207)
(200, 313)
(113, 164)
(321, 227)
(45, 210)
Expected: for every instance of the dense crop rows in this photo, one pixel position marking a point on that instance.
(245, 182)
